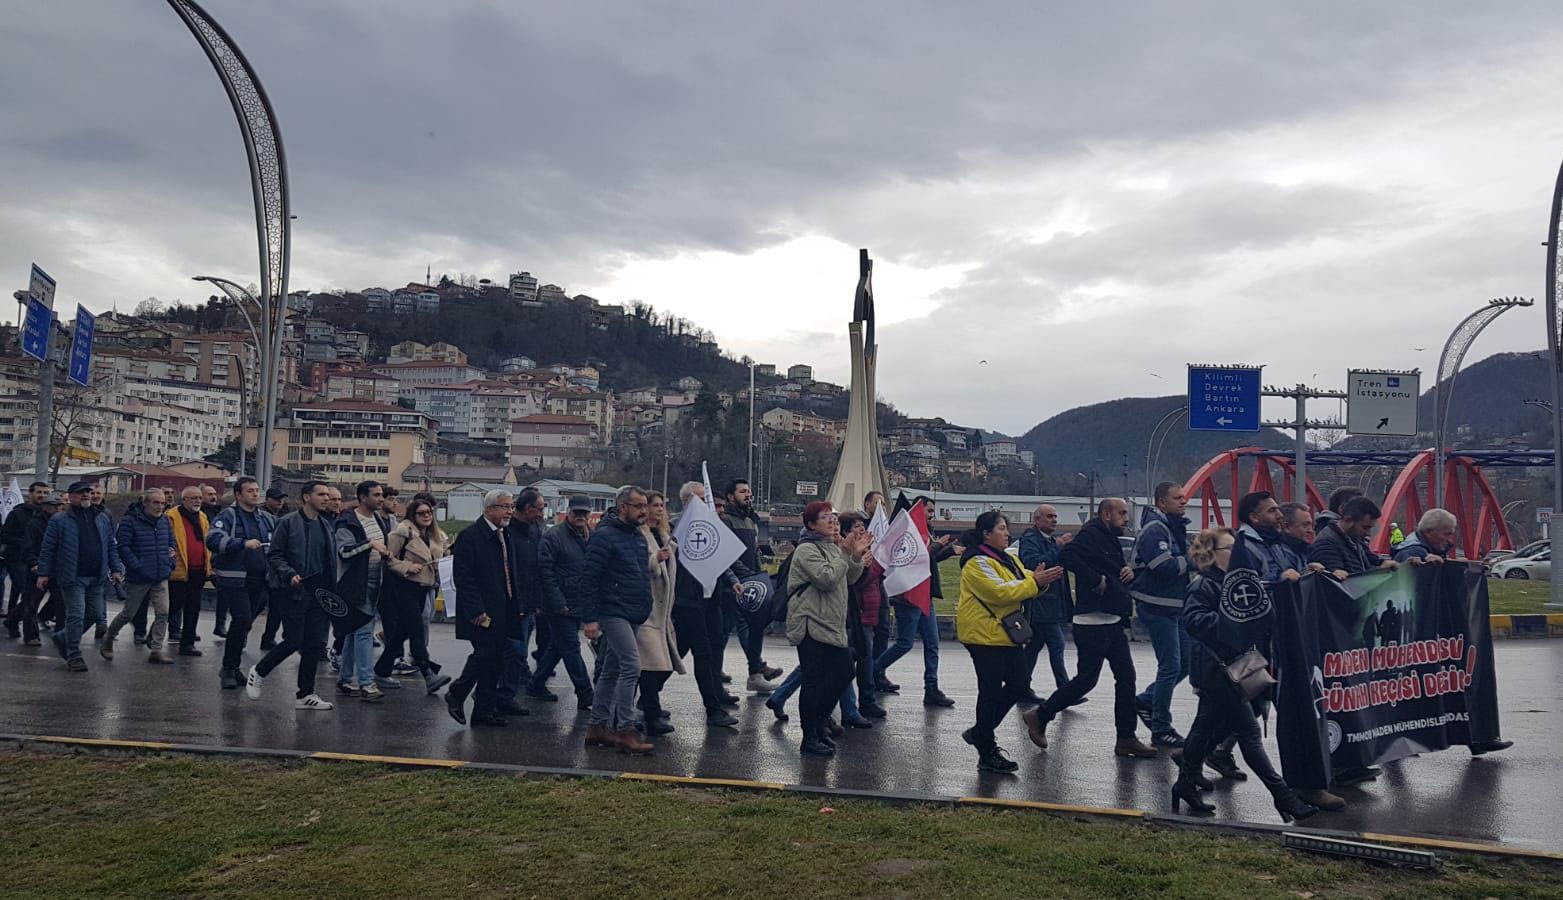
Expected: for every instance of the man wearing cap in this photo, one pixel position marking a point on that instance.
(276, 502)
(78, 559)
(560, 554)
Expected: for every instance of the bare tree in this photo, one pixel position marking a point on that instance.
(77, 410)
(149, 308)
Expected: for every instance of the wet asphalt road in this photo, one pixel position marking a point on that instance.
(1513, 797)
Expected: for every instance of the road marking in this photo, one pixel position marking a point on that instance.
(389, 760)
(105, 742)
(1053, 807)
(707, 782)
(1462, 846)
(38, 656)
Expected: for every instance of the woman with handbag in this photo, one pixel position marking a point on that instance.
(416, 545)
(655, 638)
(1227, 678)
(989, 620)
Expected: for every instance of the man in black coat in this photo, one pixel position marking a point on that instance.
(486, 575)
(1102, 609)
(303, 558)
(1342, 545)
(526, 531)
(13, 538)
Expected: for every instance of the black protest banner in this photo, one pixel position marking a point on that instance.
(1382, 666)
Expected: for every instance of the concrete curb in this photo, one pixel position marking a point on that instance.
(1239, 829)
(1528, 625)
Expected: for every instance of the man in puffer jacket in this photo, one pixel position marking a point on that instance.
(143, 541)
(616, 599)
(79, 561)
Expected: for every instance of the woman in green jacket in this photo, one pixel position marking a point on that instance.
(821, 568)
(994, 585)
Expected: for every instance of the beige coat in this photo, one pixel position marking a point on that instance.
(408, 547)
(654, 638)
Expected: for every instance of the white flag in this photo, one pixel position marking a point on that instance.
(10, 499)
(903, 554)
(706, 547)
(878, 525)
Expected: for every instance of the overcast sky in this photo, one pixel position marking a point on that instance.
(1081, 195)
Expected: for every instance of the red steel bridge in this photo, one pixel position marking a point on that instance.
(1217, 485)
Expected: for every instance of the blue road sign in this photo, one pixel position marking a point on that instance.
(81, 346)
(35, 329)
(1224, 398)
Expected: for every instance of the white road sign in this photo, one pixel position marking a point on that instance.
(1382, 402)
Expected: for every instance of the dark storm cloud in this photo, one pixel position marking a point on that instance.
(570, 138)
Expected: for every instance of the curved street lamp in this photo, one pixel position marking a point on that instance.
(1153, 458)
(1459, 342)
(238, 296)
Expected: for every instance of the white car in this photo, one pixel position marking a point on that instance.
(1529, 550)
(1538, 566)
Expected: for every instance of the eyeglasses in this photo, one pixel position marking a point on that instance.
(425, 512)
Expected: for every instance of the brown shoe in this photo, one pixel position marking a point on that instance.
(599, 736)
(1323, 800)
(160, 658)
(1134, 747)
(629, 740)
(1035, 728)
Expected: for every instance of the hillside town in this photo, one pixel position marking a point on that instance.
(165, 400)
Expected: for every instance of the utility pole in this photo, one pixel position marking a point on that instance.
(751, 425)
(1302, 394)
(1555, 367)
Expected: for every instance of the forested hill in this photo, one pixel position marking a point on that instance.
(1097, 437)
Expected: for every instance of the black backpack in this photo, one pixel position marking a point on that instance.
(783, 597)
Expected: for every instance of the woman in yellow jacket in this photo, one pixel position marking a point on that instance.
(993, 585)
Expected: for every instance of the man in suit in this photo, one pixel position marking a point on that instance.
(487, 579)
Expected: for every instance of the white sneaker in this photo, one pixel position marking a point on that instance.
(759, 685)
(252, 684)
(313, 701)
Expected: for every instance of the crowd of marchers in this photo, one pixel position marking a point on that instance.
(356, 588)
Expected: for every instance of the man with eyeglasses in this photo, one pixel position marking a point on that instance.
(487, 615)
(303, 556)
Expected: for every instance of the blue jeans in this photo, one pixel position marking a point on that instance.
(358, 657)
(83, 600)
(1051, 636)
(794, 680)
(1170, 640)
(564, 646)
(909, 623)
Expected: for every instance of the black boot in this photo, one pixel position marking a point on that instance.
(1292, 807)
(1224, 765)
(1184, 791)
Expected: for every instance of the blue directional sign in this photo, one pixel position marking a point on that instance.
(35, 329)
(81, 346)
(39, 322)
(1224, 398)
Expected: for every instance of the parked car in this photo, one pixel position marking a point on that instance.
(1525, 552)
(1538, 566)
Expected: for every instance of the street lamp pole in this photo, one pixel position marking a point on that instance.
(1150, 462)
(238, 296)
(1555, 350)
(1459, 342)
(751, 425)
